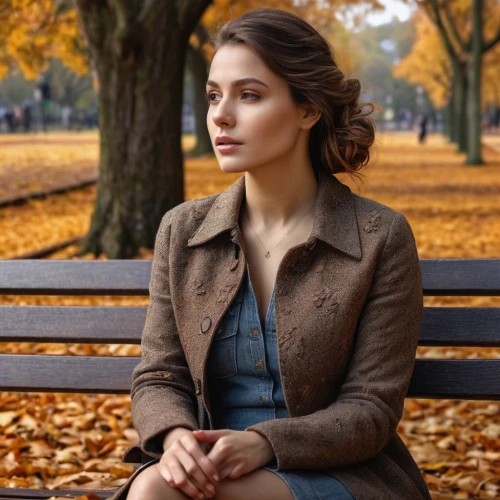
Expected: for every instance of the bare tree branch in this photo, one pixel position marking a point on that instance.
(452, 24)
(488, 46)
(442, 30)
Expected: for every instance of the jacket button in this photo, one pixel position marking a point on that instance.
(205, 325)
(255, 333)
(259, 365)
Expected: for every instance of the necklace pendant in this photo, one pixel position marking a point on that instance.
(267, 254)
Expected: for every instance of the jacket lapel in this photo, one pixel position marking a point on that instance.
(335, 220)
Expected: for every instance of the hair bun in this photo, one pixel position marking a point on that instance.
(352, 89)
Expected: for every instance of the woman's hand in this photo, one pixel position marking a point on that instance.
(236, 453)
(185, 465)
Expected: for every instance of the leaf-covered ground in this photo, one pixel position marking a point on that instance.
(73, 440)
(41, 163)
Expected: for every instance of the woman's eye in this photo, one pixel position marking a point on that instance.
(208, 96)
(251, 97)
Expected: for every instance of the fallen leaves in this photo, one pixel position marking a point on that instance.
(456, 445)
(64, 441)
(33, 163)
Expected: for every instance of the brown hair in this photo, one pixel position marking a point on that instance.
(295, 51)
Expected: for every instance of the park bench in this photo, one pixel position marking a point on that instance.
(474, 379)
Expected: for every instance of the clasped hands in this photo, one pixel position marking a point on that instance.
(196, 461)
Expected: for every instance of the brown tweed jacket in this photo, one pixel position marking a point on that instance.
(348, 315)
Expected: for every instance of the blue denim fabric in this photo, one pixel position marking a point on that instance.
(245, 385)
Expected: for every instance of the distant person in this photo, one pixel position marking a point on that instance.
(10, 120)
(18, 116)
(3, 124)
(88, 120)
(66, 116)
(78, 119)
(423, 129)
(27, 117)
(496, 118)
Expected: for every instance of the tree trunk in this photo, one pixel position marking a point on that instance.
(453, 108)
(448, 119)
(474, 91)
(461, 111)
(138, 50)
(198, 67)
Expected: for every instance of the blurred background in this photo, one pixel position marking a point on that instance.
(103, 129)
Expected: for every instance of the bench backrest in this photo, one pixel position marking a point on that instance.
(432, 378)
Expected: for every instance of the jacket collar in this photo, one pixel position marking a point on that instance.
(334, 223)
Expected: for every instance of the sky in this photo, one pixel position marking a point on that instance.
(393, 8)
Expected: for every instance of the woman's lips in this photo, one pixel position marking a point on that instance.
(225, 148)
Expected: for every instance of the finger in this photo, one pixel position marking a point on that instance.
(165, 473)
(206, 491)
(180, 478)
(194, 472)
(168, 477)
(206, 465)
(211, 436)
(224, 473)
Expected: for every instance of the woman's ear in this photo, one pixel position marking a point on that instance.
(310, 115)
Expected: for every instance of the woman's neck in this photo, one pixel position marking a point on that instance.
(273, 203)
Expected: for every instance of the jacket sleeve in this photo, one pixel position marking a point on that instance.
(364, 417)
(162, 389)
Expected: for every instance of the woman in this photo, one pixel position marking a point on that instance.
(285, 311)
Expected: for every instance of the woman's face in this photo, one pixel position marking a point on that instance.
(260, 116)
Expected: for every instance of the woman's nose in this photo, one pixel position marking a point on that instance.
(222, 114)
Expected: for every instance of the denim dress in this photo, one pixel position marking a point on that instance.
(245, 387)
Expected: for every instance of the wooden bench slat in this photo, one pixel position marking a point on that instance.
(454, 277)
(441, 326)
(74, 374)
(32, 494)
(78, 324)
(460, 326)
(475, 379)
(461, 277)
(75, 277)
(432, 378)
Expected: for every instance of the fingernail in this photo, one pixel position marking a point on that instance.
(211, 488)
(216, 477)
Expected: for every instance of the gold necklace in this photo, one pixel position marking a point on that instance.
(267, 254)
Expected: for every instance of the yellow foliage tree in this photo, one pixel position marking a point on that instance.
(32, 31)
(427, 64)
(450, 59)
(491, 77)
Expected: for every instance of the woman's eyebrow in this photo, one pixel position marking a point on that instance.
(239, 83)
